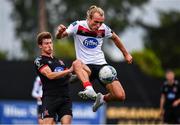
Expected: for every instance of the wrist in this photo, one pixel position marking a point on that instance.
(69, 71)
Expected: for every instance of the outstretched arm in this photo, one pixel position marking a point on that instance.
(121, 47)
(176, 102)
(61, 32)
(46, 71)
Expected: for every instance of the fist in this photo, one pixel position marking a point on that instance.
(61, 28)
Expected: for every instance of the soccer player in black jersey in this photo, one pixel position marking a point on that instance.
(170, 99)
(54, 77)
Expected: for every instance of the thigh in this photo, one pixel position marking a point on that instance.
(65, 109)
(168, 116)
(66, 119)
(48, 121)
(176, 113)
(49, 107)
(95, 72)
(87, 69)
(40, 111)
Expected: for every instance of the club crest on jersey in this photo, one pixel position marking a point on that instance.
(37, 61)
(61, 62)
(90, 43)
(49, 62)
(58, 69)
(99, 34)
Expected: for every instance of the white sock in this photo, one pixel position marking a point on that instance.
(89, 87)
(102, 99)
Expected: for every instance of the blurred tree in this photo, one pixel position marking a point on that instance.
(148, 62)
(164, 40)
(62, 49)
(25, 15)
(42, 16)
(3, 55)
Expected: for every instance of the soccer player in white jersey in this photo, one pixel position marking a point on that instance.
(37, 94)
(88, 37)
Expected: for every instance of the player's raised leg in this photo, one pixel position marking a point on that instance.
(83, 72)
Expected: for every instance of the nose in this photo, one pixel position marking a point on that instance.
(98, 25)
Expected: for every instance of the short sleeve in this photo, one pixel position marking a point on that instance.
(39, 63)
(72, 28)
(163, 89)
(108, 31)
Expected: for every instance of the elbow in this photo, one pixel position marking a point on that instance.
(51, 78)
(122, 97)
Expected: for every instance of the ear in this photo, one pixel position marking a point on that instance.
(40, 46)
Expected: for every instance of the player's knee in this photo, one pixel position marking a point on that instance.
(121, 96)
(77, 64)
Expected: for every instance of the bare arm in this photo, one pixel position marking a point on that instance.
(176, 102)
(121, 47)
(162, 101)
(46, 71)
(61, 32)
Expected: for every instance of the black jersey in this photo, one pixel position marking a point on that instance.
(56, 86)
(171, 92)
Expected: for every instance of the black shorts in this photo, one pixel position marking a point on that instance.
(95, 72)
(56, 107)
(39, 111)
(172, 115)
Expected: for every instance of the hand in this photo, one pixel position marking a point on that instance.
(175, 103)
(128, 58)
(71, 69)
(61, 28)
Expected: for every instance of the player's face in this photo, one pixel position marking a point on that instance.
(47, 46)
(96, 21)
(170, 76)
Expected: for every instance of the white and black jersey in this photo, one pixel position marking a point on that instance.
(88, 43)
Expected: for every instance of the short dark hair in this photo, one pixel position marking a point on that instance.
(43, 35)
(169, 70)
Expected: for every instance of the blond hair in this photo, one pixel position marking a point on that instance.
(93, 9)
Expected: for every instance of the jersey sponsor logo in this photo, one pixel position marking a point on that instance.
(175, 89)
(58, 69)
(90, 43)
(171, 96)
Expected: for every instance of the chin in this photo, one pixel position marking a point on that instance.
(95, 30)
